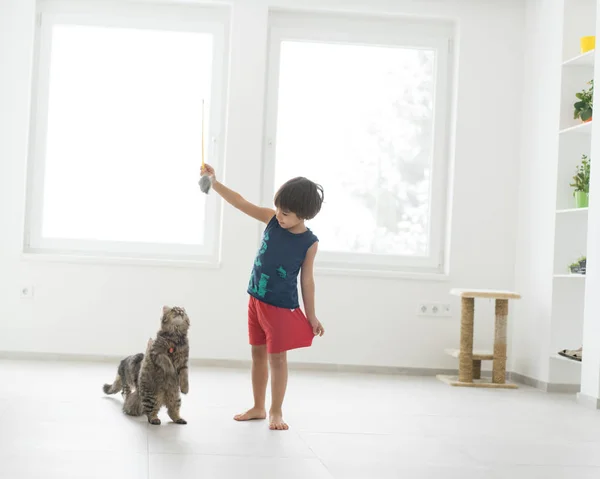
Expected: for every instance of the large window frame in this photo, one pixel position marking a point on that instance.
(371, 31)
(182, 18)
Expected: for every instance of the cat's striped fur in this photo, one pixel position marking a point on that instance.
(154, 379)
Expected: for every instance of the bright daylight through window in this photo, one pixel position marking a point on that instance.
(361, 120)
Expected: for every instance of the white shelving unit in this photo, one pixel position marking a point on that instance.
(585, 59)
(558, 357)
(581, 129)
(572, 211)
(570, 227)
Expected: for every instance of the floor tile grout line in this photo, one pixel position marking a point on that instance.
(147, 452)
(316, 455)
(262, 456)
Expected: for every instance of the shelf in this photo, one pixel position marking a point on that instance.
(584, 60)
(571, 210)
(562, 358)
(582, 128)
(570, 276)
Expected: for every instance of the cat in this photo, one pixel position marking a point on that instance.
(154, 379)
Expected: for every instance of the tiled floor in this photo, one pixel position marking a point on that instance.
(56, 423)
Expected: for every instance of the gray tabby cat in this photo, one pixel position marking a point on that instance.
(152, 380)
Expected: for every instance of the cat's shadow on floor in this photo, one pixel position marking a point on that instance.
(117, 404)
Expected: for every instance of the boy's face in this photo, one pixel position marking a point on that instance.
(287, 219)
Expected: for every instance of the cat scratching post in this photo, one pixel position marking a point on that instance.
(469, 361)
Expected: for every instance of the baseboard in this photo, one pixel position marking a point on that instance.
(589, 402)
(328, 367)
(544, 386)
(237, 364)
(35, 356)
(527, 381)
(298, 366)
(563, 388)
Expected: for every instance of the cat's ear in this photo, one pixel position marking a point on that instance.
(166, 309)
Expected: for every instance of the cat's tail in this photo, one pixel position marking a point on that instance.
(115, 387)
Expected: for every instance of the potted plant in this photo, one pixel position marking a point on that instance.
(581, 183)
(584, 107)
(578, 267)
(582, 262)
(574, 268)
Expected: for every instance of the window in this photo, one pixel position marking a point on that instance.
(117, 130)
(360, 106)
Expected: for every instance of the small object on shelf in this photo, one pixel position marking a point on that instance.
(573, 354)
(581, 183)
(587, 43)
(582, 264)
(584, 108)
(574, 268)
(581, 199)
(579, 267)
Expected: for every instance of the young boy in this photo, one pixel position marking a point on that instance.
(276, 323)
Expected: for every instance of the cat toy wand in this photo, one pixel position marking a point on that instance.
(205, 182)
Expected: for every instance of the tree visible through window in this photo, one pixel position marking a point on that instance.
(359, 119)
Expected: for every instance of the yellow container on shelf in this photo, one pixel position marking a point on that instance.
(587, 43)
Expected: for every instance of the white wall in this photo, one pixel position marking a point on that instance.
(539, 146)
(112, 309)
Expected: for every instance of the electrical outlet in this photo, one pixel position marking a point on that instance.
(26, 292)
(434, 310)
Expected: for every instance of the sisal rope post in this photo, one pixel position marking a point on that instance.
(499, 368)
(476, 369)
(465, 363)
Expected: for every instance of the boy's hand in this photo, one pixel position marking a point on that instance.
(208, 171)
(317, 327)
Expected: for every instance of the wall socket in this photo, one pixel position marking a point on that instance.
(27, 292)
(441, 310)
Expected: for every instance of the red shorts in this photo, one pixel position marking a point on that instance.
(279, 328)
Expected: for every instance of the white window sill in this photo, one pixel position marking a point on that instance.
(118, 261)
(382, 274)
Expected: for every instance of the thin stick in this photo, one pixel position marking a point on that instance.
(202, 135)
(205, 181)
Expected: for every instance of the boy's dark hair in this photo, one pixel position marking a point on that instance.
(301, 197)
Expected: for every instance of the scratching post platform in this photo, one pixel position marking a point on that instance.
(469, 361)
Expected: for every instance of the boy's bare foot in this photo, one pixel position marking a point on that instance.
(276, 422)
(251, 414)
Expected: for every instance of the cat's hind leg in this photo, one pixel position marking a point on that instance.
(133, 404)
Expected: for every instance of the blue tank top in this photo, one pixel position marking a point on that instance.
(274, 278)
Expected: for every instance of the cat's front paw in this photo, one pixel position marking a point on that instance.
(154, 420)
(185, 389)
(181, 421)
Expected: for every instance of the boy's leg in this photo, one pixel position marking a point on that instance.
(279, 377)
(260, 377)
